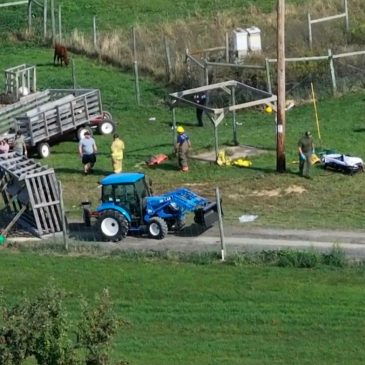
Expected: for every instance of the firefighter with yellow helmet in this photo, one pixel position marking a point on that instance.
(182, 147)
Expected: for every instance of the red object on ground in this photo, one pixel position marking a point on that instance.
(157, 159)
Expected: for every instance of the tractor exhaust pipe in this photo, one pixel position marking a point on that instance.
(207, 216)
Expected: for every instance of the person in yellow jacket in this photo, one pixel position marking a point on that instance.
(117, 149)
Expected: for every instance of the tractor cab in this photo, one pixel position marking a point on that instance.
(126, 191)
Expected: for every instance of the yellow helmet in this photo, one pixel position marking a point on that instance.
(268, 109)
(180, 129)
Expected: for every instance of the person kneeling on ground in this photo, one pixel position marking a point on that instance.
(87, 151)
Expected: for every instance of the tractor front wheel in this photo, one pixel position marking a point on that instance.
(157, 228)
(113, 225)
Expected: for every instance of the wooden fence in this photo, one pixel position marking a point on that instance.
(311, 21)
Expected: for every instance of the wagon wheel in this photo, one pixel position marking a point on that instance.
(107, 126)
(43, 149)
(81, 132)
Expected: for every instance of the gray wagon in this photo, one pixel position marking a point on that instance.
(49, 115)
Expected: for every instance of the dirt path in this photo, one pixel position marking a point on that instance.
(236, 239)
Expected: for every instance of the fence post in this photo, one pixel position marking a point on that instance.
(135, 63)
(63, 217)
(268, 76)
(310, 31)
(188, 65)
(221, 231)
(333, 75)
(233, 103)
(174, 133)
(29, 16)
(59, 23)
(168, 61)
(73, 74)
(94, 31)
(346, 17)
(227, 47)
(45, 19)
(206, 72)
(53, 22)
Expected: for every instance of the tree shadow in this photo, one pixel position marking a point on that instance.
(69, 170)
(359, 130)
(82, 232)
(163, 166)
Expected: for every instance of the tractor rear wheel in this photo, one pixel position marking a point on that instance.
(157, 228)
(113, 225)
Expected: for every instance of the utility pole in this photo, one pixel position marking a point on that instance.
(280, 123)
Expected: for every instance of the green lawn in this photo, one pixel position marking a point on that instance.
(331, 200)
(181, 313)
(116, 13)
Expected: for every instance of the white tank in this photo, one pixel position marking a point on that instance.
(240, 42)
(254, 39)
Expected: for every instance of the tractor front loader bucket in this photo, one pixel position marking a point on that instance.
(207, 215)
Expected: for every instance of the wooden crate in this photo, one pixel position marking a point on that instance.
(19, 77)
(32, 188)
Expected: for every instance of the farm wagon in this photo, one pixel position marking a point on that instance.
(48, 115)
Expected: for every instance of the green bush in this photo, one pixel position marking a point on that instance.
(336, 257)
(40, 328)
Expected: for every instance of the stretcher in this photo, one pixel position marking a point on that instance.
(341, 162)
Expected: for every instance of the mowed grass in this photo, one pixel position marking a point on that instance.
(330, 200)
(180, 313)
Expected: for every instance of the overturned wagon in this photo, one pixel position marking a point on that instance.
(49, 115)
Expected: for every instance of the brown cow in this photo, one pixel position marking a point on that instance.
(60, 52)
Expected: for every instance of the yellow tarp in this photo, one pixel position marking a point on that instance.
(224, 160)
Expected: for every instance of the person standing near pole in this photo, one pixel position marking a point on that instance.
(117, 149)
(87, 151)
(182, 148)
(305, 149)
(200, 98)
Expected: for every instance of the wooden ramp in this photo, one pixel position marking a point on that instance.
(31, 194)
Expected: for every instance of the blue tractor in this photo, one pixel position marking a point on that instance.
(128, 207)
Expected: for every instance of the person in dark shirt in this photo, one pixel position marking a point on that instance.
(305, 149)
(200, 98)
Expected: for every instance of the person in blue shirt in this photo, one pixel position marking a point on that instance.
(182, 147)
(87, 151)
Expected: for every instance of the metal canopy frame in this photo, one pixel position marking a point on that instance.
(217, 115)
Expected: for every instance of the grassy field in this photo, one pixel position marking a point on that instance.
(331, 200)
(127, 13)
(181, 313)
(184, 313)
